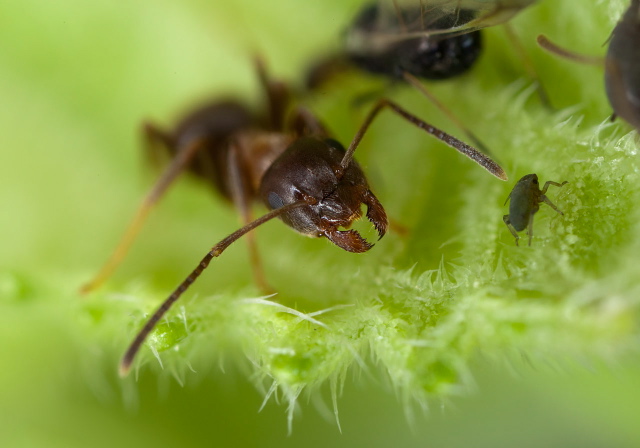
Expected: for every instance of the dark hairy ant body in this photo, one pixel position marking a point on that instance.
(304, 177)
(526, 197)
(621, 65)
(431, 57)
(430, 39)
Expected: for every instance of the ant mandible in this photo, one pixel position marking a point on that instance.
(305, 178)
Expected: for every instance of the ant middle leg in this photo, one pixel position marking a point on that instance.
(181, 160)
(241, 198)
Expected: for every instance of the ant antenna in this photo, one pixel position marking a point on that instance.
(216, 251)
(415, 82)
(481, 159)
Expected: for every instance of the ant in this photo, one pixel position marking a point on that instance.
(621, 66)
(434, 40)
(526, 197)
(304, 177)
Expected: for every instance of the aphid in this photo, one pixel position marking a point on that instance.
(621, 65)
(304, 177)
(526, 197)
(430, 39)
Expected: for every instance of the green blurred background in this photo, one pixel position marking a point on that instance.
(76, 79)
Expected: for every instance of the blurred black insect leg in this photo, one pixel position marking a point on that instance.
(528, 65)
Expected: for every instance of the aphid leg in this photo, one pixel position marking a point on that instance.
(216, 251)
(415, 82)
(530, 228)
(564, 53)
(550, 182)
(546, 200)
(528, 65)
(507, 222)
(277, 93)
(481, 159)
(242, 200)
(180, 161)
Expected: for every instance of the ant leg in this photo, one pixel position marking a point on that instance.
(325, 70)
(242, 200)
(550, 182)
(180, 161)
(399, 228)
(559, 51)
(305, 123)
(528, 65)
(277, 93)
(415, 82)
(507, 222)
(481, 159)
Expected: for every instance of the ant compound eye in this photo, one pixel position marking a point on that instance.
(535, 181)
(275, 201)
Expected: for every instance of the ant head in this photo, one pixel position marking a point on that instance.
(310, 170)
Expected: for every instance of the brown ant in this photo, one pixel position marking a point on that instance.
(621, 65)
(305, 178)
(430, 39)
(526, 197)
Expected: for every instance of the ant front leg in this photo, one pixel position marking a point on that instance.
(180, 161)
(305, 124)
(277, 93)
